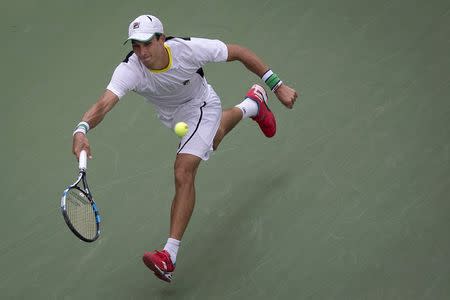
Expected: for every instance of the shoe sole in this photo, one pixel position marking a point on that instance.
(167, 277)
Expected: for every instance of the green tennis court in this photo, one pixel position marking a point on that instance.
(350, 200)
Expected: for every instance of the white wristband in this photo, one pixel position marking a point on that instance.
(79, 129)
(86, 124)
(277, 86)
(82, 127)
(267, 75)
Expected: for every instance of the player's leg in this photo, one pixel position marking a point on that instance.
(253, 106)
(230, 118)
(162, 263)
(203, 121)
(185, 169)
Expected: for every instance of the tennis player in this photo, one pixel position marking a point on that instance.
(168, 73)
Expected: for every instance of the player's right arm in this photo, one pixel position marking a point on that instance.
(93, 117)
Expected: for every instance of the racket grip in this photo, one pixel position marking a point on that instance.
(83, 160)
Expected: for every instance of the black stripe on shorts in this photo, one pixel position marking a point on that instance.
(196, 127)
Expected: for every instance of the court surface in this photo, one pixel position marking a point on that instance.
(350, 200)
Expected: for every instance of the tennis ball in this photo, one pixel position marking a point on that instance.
(181, 129)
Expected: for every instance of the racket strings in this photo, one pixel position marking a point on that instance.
(81, 214)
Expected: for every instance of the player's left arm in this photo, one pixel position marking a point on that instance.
(251, 61)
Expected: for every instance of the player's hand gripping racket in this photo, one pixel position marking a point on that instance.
(78, 207)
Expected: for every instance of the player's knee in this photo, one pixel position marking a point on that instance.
(184, 176)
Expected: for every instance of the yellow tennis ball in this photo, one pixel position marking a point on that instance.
(181, 129)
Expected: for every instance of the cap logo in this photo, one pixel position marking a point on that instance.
(135, 25)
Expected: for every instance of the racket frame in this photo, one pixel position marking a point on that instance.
(85, 190)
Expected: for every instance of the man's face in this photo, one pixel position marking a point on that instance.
(148, 52)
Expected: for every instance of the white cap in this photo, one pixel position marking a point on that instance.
(144, 27)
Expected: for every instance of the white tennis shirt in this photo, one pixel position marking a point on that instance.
(180, 82)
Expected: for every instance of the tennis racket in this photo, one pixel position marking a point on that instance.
(78, 207)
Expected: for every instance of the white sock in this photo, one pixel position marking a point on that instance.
(172, 246)
(249, 108)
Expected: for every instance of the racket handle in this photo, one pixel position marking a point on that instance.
(83, 160)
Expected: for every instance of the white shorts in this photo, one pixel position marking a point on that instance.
(203, 120)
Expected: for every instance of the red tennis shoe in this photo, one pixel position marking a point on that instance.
(160, 263)
(265, 118)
